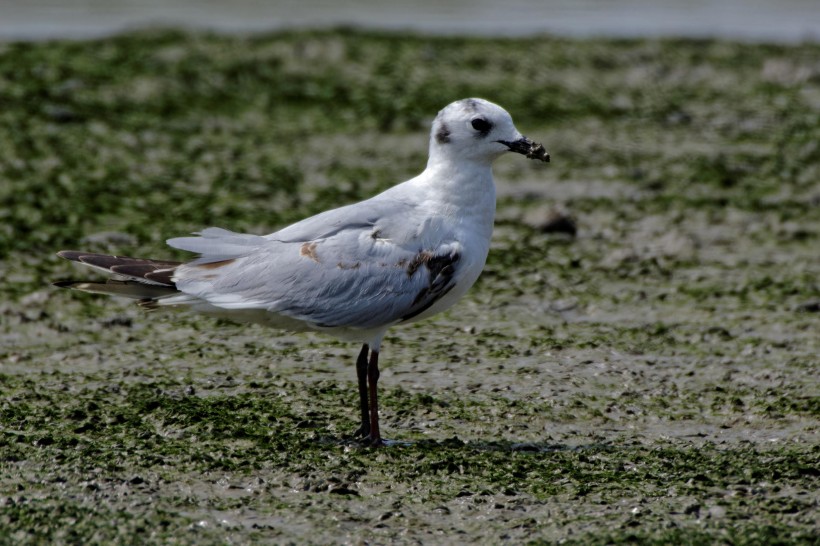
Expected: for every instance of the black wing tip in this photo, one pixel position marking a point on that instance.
(73, 255)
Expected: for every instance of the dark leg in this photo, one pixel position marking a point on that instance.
(361, 372)
(373, 379)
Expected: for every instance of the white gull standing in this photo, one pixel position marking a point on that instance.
(355, 271)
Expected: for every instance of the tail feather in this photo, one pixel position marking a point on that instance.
(136, 278)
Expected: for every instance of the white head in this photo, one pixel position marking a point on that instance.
(479, 131)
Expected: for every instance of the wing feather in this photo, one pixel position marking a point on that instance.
(348, 279)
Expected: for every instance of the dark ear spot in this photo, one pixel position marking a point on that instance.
(443, 134)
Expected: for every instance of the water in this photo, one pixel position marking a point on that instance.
(753, 20)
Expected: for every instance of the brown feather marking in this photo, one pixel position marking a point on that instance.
(108, 262)
(419, 259)
(217, 265)
(441, 270)
(309, 251)
(165, 276)
(159, 271)
(150, 271)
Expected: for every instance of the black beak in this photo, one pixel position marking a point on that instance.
(527, 147)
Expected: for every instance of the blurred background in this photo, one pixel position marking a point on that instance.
(757, 20)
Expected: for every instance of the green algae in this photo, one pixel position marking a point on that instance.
(652, 379)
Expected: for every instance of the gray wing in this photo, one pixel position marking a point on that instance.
(350, 267)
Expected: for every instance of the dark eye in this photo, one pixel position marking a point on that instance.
(482, 125)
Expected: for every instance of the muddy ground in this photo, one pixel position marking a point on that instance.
(651, 377)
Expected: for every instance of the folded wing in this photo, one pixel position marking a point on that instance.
(353, 277)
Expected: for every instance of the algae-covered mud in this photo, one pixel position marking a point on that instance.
(638, 363)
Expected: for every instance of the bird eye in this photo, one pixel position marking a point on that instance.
(482, 125)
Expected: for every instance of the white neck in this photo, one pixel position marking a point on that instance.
(462, 190)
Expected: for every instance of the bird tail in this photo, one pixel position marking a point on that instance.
(144, 280)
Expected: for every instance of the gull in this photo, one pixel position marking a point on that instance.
(353, 272)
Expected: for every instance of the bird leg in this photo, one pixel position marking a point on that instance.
(361, 371)
(373, 379)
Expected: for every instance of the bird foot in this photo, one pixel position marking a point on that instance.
(364, 438)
